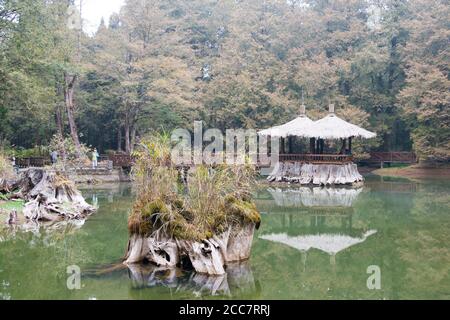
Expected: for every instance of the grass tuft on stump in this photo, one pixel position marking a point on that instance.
(213, 199)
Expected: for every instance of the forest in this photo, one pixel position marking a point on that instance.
(161, 64)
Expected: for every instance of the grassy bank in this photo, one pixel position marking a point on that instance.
(11, 205)
(415, 172)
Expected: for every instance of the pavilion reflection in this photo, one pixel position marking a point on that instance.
(314, 197)
(306, 218)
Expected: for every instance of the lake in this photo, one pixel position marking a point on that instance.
(387, 240)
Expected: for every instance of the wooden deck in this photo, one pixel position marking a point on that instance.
(375, 157)
(317, 158)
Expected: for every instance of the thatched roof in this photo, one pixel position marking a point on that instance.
(333, 127)
(329, 243)
(287, 129)
(330, 127)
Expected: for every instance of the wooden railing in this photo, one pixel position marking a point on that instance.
(393, 157)
(39, 162)
(33, 162)
(316, 158)
(121, 160)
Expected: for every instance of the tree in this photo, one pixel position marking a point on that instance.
(230, 63)
(425, 98)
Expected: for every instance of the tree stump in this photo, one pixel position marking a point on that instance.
(209, 256)
(51, 196)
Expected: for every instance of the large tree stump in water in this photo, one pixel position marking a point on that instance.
(316, 174)
(240, 243)
(209, 256)
(51, 196)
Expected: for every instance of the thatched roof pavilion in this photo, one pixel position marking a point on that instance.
(332, 127)
(319, 166)
(329, 127)
(292, 128)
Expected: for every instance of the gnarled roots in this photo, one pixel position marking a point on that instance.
(208, 256)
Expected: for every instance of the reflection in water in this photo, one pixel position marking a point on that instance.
(318, 203)
(410, 246)
(329, 243)
(95, 201)
(238, 281)
(108, 192)
(317, 196)
(47, 232)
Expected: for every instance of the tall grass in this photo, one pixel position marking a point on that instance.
(213, 198)
(6, 168)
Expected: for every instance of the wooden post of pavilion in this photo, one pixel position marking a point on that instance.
(290, 145)
(344, 146)
(312, 145)
(350, 145)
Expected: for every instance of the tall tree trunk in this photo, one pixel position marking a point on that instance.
(59, 109)
(119, 139)
(59, 120)
(127, 135)
(69, 84)
(133, 137)
(60, 128)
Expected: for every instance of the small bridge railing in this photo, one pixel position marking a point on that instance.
(33, 162)
(393, 157)
(121, 160)
(40, 162)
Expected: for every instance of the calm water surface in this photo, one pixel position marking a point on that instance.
(312, 244)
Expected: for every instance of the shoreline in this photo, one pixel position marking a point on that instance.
(414, 172)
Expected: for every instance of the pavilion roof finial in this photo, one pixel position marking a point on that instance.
(303, 107)
(303, 110)
(331, 108)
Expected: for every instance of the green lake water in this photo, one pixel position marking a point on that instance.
(312, 244)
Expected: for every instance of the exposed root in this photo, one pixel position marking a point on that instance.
(51, 196)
